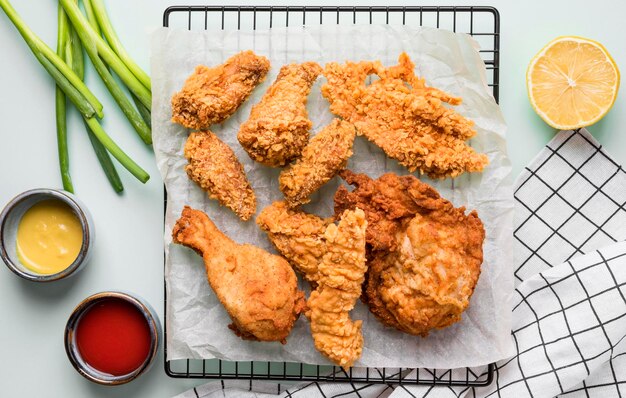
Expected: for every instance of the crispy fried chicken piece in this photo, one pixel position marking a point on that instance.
(212, 95)
(298, 236)
(278, 127)
(428, 282)
(404, 117)
(425, 255)
(323, 157)
(258, 289)
(389, 202)
(332, 257)
(214, 166)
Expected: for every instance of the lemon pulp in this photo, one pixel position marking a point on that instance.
(572, 82)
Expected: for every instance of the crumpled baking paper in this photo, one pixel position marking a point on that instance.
(197, 322)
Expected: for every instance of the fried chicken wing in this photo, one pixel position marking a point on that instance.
(258, 289)
(403, 116)
(323, 157)
(212, 95)
(424, 254)
(278, 127)
(332, 257)
(214, 166)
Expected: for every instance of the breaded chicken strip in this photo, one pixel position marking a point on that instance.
(278, 127)
(298, 236)
(212, 95)
(332, 256)
(258, 289)
(214, 166)
(323, 157)
(424, 256)
(403, 117)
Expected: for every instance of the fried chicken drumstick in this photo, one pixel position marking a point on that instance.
(214, 166)
(212, 95)
(424, 254)
(258, 289)
(278, 127)
(403, 116)
(332, 257)
(323, 157)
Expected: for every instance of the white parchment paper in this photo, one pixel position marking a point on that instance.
(197, 322)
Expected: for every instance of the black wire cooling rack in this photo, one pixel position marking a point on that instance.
(482, 23)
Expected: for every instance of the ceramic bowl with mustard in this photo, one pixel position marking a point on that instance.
(45, 235)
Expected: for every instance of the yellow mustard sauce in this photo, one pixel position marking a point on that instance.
(49, 237)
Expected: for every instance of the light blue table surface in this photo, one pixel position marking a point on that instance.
(128, 254)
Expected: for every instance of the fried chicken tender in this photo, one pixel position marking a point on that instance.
(425, 255)
(298, 236)
(212, 95)
(214, 166)
(323, 157)
(332, 257)
(278, 127)
(258, 289)
(403, 116)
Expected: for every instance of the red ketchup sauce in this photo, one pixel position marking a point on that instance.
(113, 337)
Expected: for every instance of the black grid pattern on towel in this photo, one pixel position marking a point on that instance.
(483, 24)
(570, 212)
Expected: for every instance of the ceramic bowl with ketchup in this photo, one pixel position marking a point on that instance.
(112, 337)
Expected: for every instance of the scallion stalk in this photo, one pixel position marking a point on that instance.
(109, 33)
(72, 86)
(132, 114)
(105, 161)
(60, 107)
(116, 151)
(90, 38)
(74, 58)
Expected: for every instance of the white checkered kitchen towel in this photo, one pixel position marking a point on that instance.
(569, 310)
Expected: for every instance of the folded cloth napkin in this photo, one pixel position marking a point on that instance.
(569, 306)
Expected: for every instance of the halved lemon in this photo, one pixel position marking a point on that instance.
(572, 82)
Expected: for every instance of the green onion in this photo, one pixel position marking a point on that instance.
(114, 41)
(72, 86)
(100, 141)
(60, 108)
(145, 112)
(133, 116)
(116, 151)
(91, 39)
(91, 17)
(74, 58)
(105, 161)
(75, 89)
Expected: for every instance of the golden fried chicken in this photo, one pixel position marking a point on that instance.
(258, 289)
(389, 202)
(323, 157)
(403, 116)
(212, 95)
(214, 166)
(298, 236)
(278, 127)
(332, 256)
(427, 283)
(425, 255)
